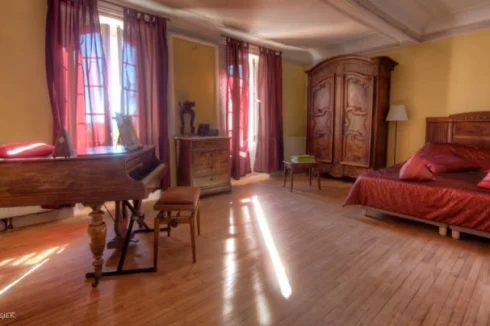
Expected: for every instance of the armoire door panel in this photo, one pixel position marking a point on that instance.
(357, 119)
(321, 133)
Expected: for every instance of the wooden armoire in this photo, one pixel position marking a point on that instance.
(348, 100)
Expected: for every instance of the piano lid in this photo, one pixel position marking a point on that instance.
(106, 175)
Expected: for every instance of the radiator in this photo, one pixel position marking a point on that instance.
(30, 215)
(7, 212)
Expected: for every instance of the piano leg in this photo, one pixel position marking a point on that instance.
(97, 231)
(97, 235)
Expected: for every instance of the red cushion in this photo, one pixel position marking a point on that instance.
(415, 169)
(22, 150)
(447, 162)
(485, 183)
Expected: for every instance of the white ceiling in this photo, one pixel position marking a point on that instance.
(310, 30)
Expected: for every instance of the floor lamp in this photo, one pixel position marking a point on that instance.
(397, 113)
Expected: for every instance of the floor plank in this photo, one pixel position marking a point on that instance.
(257, 243)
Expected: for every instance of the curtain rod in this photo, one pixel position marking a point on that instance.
(125, 6)
(224, 37)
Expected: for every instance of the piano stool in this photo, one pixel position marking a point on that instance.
(177, 199)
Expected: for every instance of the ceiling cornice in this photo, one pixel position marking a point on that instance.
(381, 25)
(375, 10)
(187, 22)
(457, 30)
(356, 48)
(371, 43)
(462, 22)
(389, 31)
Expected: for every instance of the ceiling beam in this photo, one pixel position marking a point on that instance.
(357, 12)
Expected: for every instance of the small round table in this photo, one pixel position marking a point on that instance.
(291, 166)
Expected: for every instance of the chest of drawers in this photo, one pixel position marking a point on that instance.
(204, 162)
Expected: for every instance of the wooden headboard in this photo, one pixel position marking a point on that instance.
(472, 128)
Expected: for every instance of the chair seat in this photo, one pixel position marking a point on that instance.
(178, 196)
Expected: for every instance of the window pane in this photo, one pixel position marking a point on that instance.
(112, 36)
(129, 82)
(93, 79)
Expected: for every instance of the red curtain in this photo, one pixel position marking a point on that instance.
(144, 80)
(76, 73)
(270, 150)
(237, 106)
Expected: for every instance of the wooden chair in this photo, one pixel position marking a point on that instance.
(177, 200)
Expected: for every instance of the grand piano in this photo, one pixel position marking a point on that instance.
(100, 175)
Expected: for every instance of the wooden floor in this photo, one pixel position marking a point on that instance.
(265, 256)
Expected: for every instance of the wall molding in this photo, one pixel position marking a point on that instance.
(172, 100)
(417, 24)
(368, 18)
(430, 37)
(458, 30)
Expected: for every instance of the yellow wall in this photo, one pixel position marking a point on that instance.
(24, 100)
(194, 77)
(437, 79)
(25, 111)
(433, 79)
(294, 99)
(195, 70)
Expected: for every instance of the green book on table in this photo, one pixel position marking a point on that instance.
(303, 159)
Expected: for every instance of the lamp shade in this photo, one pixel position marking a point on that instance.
(397, 112)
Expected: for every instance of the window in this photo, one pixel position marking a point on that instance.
(91, 59)
(229, 113)
(89, 119)
(254, 107)
(112, 33)
(254, 104)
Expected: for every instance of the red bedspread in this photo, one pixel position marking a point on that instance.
(452, 198)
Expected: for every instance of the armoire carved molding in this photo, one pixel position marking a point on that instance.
(348, 99)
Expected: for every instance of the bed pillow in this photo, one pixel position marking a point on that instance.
(485, 182)
(23, 150)
(448, 162)
(415, 169)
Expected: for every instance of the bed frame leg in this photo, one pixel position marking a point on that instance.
(443, 230)
(455, 234)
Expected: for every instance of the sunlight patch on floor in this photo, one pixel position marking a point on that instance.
(230, 267)
(271, 248)
(12, 284)
(30, 259)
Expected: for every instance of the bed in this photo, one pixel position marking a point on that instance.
(451, 201)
